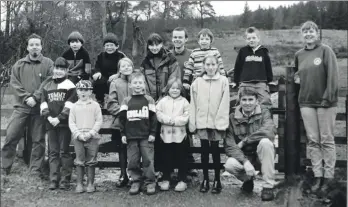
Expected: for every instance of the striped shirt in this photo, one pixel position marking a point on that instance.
(194, 66)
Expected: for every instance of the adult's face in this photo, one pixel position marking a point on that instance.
(178, 39)
(34, 47)
(248, 103)
(155, 48)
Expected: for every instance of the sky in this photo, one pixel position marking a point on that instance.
(226, 8)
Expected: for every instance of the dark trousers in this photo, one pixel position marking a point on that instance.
(214, 147)
(59, 157)
(122, 153)
(15, 129)
(189, 142)
(143, 149)
(100, 88)
(172, 152)
(158, 158)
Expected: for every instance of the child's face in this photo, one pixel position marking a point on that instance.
(210, 66)
(179, 39)
(59, 72)
(248, 103)
(75, 45)
(126, 68)
(252, 39)
(204, 41)
(110, 47)
(174, 91)
(138, 85)
(309, 35)
(154, 49)
(84, 94)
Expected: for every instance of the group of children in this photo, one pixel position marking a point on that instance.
(136, 113)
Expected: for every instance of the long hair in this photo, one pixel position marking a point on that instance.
(205, 59)
(171, 83)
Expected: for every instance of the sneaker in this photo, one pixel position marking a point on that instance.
(79, 188)
(90, 188)
(134, 188)
(267, 194)
(164, 185)
(151, 189)
(248, 186)
(53, 185)
(181, 186)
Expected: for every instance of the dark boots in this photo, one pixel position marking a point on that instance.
(217, 187)
(80, 171)
(90, 179)
(316, 184)
(204, 186)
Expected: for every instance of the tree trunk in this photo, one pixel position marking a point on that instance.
(135, 38)
(125, 25)
(103, 8)
(8, 17)
(201, 11)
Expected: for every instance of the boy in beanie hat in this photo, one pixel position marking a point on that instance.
(85, 120)
(58, 95)
(78, 58)
(106, 66)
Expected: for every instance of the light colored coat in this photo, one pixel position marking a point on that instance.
(177, 110)
(210, 103)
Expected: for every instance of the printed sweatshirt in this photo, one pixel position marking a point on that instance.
(57, 100)
(107, 64)
(194, 66)
(26, 78)
(85, 116)
(253, 65)
(138, 117)
(79, 62)
(318, 72)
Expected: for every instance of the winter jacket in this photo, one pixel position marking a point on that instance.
(194, 66)
(210, 103)
(57, 99)
(318, 72)
(107, 64)
(176, 110)
(79, 62)
(157, 77)
(26, 78)
(85, 117)
(253, 66)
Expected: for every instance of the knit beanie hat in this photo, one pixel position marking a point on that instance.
(110, 37)
(75, 35)
(85, 84)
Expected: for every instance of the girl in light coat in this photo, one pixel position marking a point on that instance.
(173, 113)
(209, 115)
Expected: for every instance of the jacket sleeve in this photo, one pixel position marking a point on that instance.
(174, 70)
(268, 67)
(70, 100)
(98, 120)
(98, 64)
(161, 116)
(44, 111)
(49, 72)
(330, 64)
(192, 116)
(16, 84)
(123, 116)
(152, 116)
(267, 130)
(238, 66)
(221, 118)
(231, 148)
(87, 61)
(183, 119)
(188, 70)
(113, 106)
(75, 132)
(221, 64)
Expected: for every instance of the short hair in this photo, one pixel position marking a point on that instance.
(75, 36)
(125, 59)
(206, 31)
(154, 38)
(309, 25)
(137, 74)
(171, 83)
(181, 29)
(247, 91)
(250, 30)
(61, 62)
(110, 37)
(34, 36)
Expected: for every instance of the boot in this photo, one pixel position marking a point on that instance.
(80, 173)
(216, 187)
(325, 187)
(204, 186)
(90, 179)
(316, 184)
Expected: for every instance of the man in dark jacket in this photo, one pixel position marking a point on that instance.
(27, 75)
(251, 131)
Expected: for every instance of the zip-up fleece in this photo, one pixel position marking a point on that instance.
(253, 66)
(210, 103)
(79, 62)
(58, 97)
(26, 78)
(85, 117)
(318, 72)
(173, 109)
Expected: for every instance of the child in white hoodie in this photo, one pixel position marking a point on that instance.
(209, 115)
(173, 113)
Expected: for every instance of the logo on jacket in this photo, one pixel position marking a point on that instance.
(317, 61)
(136, 115)
(254, 58)
(56, 96)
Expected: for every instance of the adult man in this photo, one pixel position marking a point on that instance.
(252, 128)
(182, 54)
(27, 75)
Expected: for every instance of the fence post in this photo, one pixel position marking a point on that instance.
(281, 123)
(292, 129)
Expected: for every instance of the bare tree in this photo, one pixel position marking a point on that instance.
(205, 9)
(125, 25)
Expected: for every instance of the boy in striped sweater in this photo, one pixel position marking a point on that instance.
(194, 66)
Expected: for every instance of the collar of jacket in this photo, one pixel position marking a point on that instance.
(79, 102)
(238, 115)
(58, 80)
(164, 58)
(175, 99)
(215, 77)
(28, 60)
(317, 44)
(259, 47)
